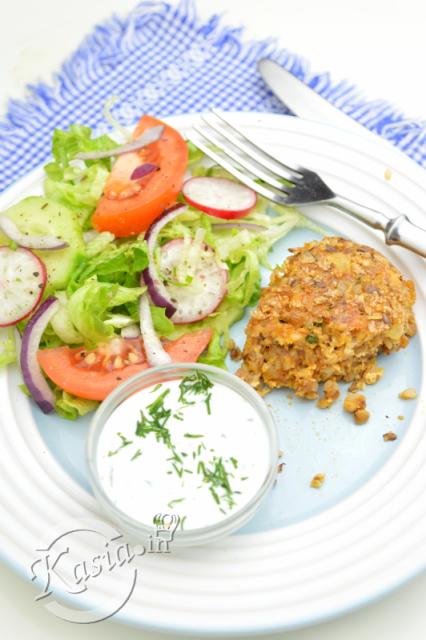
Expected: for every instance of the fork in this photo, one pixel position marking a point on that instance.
(291, 185)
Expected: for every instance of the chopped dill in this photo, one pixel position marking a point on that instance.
(197, 384)
(124, 443)
(172, 503)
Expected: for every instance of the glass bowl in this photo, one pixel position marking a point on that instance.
(139, 531)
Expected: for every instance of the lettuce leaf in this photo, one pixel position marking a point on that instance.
(70, 407)
(99, 243)
(61, 322)
(89, 306)
(78, 186)
(7, 347)
(66, 144)
(119, 264)
(162, 325)
(216, 352)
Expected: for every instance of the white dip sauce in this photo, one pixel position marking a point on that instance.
(201, 466)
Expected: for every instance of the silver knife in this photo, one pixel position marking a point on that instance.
(304, 101)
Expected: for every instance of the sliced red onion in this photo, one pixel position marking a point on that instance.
(40, 243)
(144, 170)
(148, 137)
(155, 353)
(31, 371)
(150, 277)
(239, 225)
(130, 332)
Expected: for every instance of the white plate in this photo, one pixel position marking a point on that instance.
(308, 555)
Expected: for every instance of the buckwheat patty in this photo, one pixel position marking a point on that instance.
(328, 311)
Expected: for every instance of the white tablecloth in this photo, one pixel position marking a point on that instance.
(378, 44)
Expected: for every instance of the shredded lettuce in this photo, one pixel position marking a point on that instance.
(66, 144)
(117, 263)
(7, 347)
(61, 322)
(99, 243)
(71, 407)
(78, 185)
(115, 125)
(194, 154)
(90, 305)
(216, 352)
(243, 251)
(162, 325)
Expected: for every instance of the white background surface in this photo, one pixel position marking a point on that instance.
(378, 44)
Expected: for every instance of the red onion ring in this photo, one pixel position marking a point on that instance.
(150, 135)
(144, 170)
(39, 243)
(31, 371)
(155, 353)
(150, 277)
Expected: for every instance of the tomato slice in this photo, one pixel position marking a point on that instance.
(96, 373)
(127, 206)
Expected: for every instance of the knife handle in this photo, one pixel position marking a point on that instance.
(399, 230)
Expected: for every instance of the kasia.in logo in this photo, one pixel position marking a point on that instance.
(69, 569)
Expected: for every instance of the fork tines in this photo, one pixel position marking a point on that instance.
(238, 154)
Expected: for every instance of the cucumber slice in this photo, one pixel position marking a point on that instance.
(39, 216)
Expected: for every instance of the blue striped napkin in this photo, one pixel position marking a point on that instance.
(162, 59)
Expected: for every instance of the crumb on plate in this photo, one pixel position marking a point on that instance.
(408, 394)
(317, 481)
(354, 402)
(361, 416)
(331, 394)
(389, 436)
(235, 351)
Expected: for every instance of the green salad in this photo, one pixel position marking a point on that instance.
(92, 304)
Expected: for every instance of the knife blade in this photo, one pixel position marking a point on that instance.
(304, 101)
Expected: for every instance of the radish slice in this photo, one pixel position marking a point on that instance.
(148, 137)
(207, 288)
(155, 353)
(156, 288)
(32, 374)
(22, 282)
(41, 243)
(219, 197)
